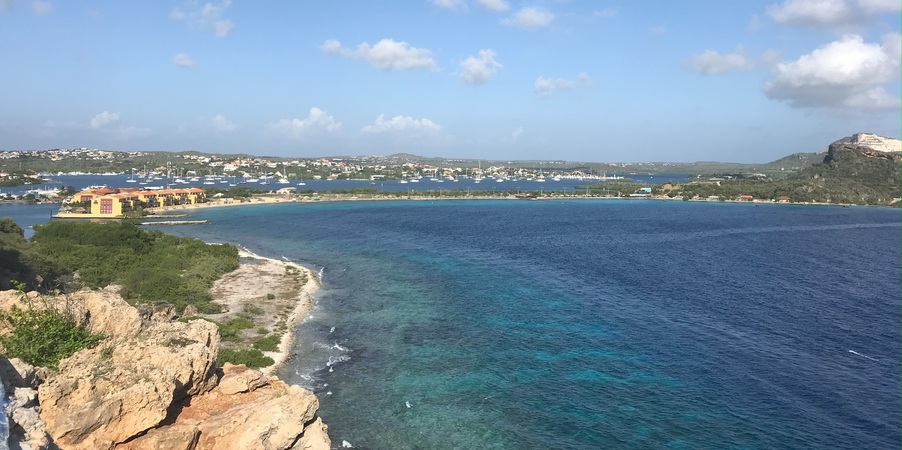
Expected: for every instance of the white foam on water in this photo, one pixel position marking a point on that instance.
(862, 355)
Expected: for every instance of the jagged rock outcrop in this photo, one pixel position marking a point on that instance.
(877, 143)
(153, 383)
(230, 417)
(20, 381)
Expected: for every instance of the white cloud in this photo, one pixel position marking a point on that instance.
(220, 124)
(208, 17)
(848, 75)
(450, 5)
(53, 128)
(605, 13)
(103, 119)
(547, 86)
(41, 8)
(479, 69)
(104, 122)
(402, 125)
(128, 133)
(880, 6)
(5, 4)
(529, 18)
(182, 60)
(494, 5)
(829, 13)
(387, 54)
(658, 30)
(710, 61)
(516, 134)
(809, 12)
(769, 59)
(317, 121)
(754, 23)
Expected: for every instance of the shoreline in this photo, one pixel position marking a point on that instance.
(238, 294)
(300, 312)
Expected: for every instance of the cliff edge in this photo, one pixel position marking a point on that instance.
(152, 383)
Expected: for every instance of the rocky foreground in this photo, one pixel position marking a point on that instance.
(152, 383)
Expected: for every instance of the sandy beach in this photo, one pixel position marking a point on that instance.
(272, 293)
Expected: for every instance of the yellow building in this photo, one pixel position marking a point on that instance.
(107, 202)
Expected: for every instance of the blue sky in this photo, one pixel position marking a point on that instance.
(739, 80)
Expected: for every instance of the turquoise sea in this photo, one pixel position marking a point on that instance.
(586, 324)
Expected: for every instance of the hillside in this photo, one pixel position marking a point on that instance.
(861, 169)
(853, 172)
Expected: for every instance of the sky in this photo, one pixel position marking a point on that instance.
(578, 80)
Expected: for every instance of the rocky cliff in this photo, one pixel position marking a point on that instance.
(877, 143)
(152, 383)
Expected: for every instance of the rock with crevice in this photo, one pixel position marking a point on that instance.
(242, 413)
(153, 383)
(119, 389)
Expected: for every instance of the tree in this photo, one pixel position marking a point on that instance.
(7, 225)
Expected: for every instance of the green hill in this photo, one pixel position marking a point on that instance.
(847, 173)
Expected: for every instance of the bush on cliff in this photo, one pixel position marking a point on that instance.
(43, 336)
(252, 358)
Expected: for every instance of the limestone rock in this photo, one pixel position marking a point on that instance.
(315, 437)
(238, 379)
(17, 373)
(270, 416)
(152, 384)
(118, 390)
(109, 314)
(25, 425)
(878, 143)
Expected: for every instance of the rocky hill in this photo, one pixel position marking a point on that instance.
(877, 143)
(854, 171)
(152, 383)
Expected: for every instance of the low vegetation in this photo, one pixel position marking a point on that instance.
(44, 334)
(151, 267)
(252, 358)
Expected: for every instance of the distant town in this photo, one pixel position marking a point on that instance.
(860, 169)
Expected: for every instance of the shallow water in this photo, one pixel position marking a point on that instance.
(592, 324)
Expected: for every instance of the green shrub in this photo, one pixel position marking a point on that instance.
(270, 296)
(43, 337)
(268, 344)
(252, 358)
(233, 329)
(150, 266)
(253, 309)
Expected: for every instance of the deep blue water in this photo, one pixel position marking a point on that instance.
(589, 324)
